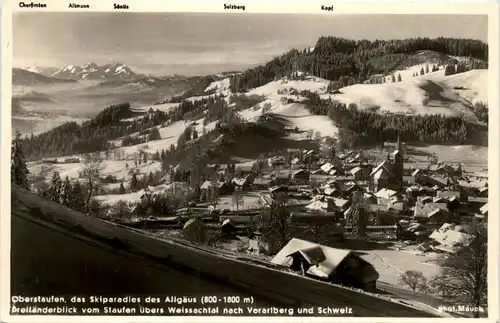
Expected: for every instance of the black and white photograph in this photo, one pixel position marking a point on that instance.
(249, 164)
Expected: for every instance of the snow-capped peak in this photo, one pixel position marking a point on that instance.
(33, 69)
(94, 71)
(90, 66)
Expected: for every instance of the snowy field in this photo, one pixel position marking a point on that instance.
(249, 202)
(432, 93)
(313, 84)
(391, 263)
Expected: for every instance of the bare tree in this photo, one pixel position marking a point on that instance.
(275, 223)
(413, 279)
(464, 277)
(318, 231)
(214, 191)
(357, 218)
(92, 166)
(121, 210)
(237, 198)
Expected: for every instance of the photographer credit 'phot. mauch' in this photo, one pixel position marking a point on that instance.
(249, 164)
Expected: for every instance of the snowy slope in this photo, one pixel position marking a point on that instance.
(428, 94)
(219, 86)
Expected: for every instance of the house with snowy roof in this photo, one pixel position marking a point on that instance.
(339, 266)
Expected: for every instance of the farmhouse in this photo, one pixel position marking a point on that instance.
(328, 264)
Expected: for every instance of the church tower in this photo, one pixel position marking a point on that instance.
(397, 161)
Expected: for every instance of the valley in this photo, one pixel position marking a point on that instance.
(392, 131)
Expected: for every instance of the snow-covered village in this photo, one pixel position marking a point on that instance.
(369, 174)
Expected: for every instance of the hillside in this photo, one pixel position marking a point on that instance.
(404, 98)
(347, 62)
(45, 71)
(304, 103)
(433, 93)
(24, 77)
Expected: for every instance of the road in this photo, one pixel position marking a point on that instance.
(49, 261)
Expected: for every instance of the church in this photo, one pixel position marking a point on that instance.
(389, 173)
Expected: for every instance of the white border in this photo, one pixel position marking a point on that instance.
(310, 7)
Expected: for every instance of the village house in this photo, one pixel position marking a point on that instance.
(450, 238)
(483, 192)
(275, 190)
(430, 214)
(257, 245)
(385, 195)
(244, 169)
(208, 187)
(327, 169)
(261, 183)
(296, 205)
(475, 203)
(484, 211)
(359, 173)
(230, 227)
(411, 231)
(379, 214)
(332, 191)
(448, 194)
(442, 169)
(337, 266)
(49, 160)
(299, 176)
(276, 161)
(322, 206)
(72, 160)
(244, 182)
(320, 179)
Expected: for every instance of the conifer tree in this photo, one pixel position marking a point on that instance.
(66, 192)
(393, 78)
(450, 69)
(134, 183)
(426, 69)
(91, 171)
(19, 171)
(55, 188)
(422, 71)
(77, 201)
(122, 189)
(399, 78)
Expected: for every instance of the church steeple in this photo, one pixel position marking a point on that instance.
(398, 161)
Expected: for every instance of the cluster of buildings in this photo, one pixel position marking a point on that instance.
(434, 205)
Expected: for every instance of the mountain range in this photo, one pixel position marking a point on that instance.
(90, 71)
(24, 77)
